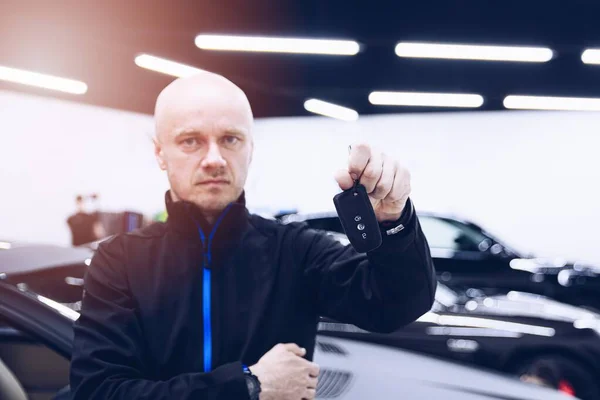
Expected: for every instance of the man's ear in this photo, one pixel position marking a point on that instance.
(158, 153)
(251, 152)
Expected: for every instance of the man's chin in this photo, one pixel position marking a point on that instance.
(213, 202)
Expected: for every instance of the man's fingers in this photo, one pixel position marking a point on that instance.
(309, 394)
(344, 179)
(314, 369)
(294, 348)
(401, 187)
(358, 158)
(313, 382)
(372, 172)
(385, 183)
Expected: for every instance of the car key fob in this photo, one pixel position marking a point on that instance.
(358, 218)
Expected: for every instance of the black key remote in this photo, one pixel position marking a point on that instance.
(358, 218)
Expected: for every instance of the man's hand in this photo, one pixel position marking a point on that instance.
(386, 181)
(285, 375)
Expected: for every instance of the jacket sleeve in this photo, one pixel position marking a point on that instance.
(379, 291)
(109, 361)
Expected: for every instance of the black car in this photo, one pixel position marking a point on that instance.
(466, 256)
(36, 342)
(508, 333)
(53, 271)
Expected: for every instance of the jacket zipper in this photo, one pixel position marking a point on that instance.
(206, 290)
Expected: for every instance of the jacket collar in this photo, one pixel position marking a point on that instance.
(186, 218)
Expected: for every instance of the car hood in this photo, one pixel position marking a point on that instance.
(404, 374)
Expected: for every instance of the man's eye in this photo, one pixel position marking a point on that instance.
(231, 139)
(190, 141)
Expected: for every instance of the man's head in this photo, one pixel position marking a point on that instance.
(204, 140)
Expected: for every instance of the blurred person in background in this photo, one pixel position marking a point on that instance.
(217, 303)
(85, 226)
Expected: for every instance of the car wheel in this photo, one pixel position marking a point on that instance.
(560, 372)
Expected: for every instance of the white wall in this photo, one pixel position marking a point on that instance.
(51, 150)
(533, 178)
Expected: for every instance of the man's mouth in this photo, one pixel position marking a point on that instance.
(214, 182)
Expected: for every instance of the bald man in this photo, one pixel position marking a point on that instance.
(218, 303)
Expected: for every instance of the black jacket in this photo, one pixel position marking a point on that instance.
(172, 311)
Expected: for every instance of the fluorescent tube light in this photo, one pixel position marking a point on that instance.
(330, 110)
(473, 52)
(165, 66)
(591, 56)
(426, 99)
(551, 103)
(277, 45)
(44, 81)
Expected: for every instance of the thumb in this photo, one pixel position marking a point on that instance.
(294, 348)
(344, 179)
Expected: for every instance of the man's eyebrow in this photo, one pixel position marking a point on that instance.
(186, 132)
(195, 132)
(236, 131)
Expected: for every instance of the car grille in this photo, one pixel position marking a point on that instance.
(331, 348)
(332, 383)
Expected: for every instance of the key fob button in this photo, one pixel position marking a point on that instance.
(357, 217)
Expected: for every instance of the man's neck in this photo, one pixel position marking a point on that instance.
(209, 218)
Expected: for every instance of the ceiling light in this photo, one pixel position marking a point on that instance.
(277, 45)
(165, 66)
(330, 110)
(5, 246)
(551, 103)
(591, 56)
(426, 99)
(473, 52)
(42, 80)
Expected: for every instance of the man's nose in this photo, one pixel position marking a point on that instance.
(213, 157)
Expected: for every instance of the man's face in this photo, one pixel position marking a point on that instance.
(206, 148)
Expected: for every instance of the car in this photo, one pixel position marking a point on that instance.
(50, 270)
(467, 256)
(508, 333)
(36, 339)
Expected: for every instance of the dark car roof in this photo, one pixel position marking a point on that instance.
(29, 258)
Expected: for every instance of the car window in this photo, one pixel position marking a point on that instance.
(445, 234)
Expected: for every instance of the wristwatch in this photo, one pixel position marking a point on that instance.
(252, 382)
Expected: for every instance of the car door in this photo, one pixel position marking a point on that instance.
(35, 341)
